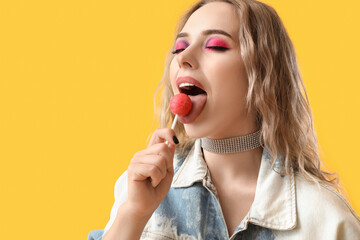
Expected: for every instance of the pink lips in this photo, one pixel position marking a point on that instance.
(188, 79)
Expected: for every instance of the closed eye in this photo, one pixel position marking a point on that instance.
(218, 48)
(178, 50)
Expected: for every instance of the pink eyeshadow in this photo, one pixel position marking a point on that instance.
(217, 42)
(181, 44)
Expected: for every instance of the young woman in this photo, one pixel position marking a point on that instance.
(247, 165)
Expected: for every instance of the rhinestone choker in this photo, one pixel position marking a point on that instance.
(233, 145)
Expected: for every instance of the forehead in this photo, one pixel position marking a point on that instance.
(214, 15)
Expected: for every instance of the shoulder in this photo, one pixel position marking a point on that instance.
(322, 197)
(320, 204)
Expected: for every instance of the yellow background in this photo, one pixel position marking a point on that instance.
(76, 85)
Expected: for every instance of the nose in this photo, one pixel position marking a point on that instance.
(187, 58)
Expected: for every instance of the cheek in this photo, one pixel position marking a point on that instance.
(172, 73)
(228, 76)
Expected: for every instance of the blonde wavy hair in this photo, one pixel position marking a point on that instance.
(276, 91)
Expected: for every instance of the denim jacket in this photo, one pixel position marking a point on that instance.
(284, 207)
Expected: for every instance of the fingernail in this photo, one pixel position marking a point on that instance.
(176, 141)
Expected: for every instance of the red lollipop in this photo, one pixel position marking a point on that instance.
(180, 104)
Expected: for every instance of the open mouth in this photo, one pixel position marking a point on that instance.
(190, 89)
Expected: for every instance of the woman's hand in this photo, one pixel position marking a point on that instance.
(150, 173)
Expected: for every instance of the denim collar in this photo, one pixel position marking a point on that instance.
(274, 204)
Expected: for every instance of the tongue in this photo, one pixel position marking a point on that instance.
(198, 103)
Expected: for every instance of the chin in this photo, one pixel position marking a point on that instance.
(194, 131)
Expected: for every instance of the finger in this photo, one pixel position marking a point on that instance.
(172, 152)
(142, 172)
(165, 183)
(157, 160)
(161, 135)
(160, 149)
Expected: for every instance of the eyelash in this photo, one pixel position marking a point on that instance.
(211, 47)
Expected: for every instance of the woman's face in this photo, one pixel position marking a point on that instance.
(207, 50)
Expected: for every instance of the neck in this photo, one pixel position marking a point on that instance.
(242, 165)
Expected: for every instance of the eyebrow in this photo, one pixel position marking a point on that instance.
(206, 32)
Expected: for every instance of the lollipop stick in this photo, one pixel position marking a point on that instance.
(174, 122)
(173, 125)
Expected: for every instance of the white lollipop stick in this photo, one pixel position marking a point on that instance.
(173, 125)
(174, 122)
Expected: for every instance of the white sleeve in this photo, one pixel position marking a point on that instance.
(121, 194)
